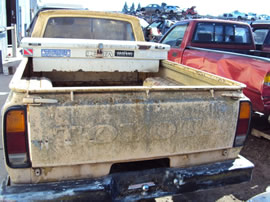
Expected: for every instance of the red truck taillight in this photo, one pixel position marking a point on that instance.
(243, 124)
(15, 138)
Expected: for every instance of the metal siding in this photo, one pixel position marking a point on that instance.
(3, 36)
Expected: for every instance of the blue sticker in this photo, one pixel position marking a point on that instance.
(55, 53)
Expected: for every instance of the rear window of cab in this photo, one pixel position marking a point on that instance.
(88, 28)
(260, 35)
(207, 32)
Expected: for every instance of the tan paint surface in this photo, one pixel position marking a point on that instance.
(102, 169)
(44, 17)
(128, 126)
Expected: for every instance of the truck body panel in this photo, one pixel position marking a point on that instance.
(249, 70)
(113, 127)
(217, 58)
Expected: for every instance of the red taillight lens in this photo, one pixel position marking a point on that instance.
(15, 136)
(242, 127)
(243, 123)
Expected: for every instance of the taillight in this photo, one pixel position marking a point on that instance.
(267, 80)
(15, 137)
(243, 124)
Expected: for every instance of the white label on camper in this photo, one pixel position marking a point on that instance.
(55, 52)
(106, 54)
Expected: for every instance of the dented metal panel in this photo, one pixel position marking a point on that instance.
(128, 126)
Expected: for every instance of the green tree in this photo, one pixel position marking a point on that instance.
(139, 7)
(132, 8)
(125, 8)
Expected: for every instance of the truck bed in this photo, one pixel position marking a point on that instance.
(165, 116)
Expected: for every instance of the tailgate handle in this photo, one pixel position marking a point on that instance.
(38, 100)
(234, 96)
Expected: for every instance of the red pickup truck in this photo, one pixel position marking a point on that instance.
(224, 48)
(261, 32)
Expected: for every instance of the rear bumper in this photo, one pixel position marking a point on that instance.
(130, 186)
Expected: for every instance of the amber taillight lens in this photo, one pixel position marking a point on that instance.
(243, 124)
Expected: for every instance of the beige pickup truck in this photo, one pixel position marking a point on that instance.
(96, 113)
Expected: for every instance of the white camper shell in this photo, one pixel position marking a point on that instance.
(73, 55)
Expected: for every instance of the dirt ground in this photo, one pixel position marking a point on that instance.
(257, 150)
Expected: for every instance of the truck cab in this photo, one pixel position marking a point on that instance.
(262, 37)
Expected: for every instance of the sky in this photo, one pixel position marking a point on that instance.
(204, 7)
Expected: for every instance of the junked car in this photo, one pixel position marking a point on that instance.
(173, 9)
(155, 30)
(252, 16)
(152, 8)
(235, 15)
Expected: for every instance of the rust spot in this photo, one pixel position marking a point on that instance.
(138, 101)
(111, 100)
(46, 170)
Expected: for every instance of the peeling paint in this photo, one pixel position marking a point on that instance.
(36, 143)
